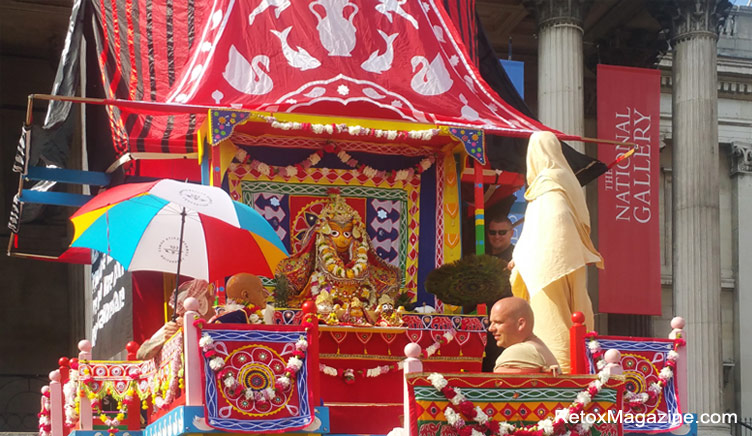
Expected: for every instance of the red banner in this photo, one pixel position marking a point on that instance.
(628, 218)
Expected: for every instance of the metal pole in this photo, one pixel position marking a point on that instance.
(180, 255)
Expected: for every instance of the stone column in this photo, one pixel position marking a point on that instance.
(696, 251)
(560, 64)
(741, 173)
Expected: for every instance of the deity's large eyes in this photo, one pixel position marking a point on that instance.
(346, 234)
(334, 233)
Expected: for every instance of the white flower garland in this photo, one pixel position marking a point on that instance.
(636, 399)
(377, 371)
(547, 426)
(356, 130)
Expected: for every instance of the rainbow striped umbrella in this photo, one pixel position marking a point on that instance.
(169, 226)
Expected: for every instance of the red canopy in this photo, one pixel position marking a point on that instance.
(387, 59)
(382, 59)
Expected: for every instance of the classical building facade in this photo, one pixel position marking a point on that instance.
(704, 52)
(703, 49)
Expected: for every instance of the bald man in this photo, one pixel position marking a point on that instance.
(245, 291)
(512, 326)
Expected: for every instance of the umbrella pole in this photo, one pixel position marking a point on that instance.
(180, 257)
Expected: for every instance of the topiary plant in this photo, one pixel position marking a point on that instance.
(471, 280)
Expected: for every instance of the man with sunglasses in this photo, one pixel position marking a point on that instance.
(499, 232)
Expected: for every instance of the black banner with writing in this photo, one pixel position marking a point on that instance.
(112, 311)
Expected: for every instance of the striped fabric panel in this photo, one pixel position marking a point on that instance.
(142, 46)
(462, 13)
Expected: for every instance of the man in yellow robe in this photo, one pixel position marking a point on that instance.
(551, 255)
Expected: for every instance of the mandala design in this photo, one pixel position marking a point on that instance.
(256, 367)
(640, 374)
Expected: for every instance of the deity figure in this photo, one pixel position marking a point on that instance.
(386, 315)
(337, 257)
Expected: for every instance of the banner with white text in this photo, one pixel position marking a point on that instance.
(628, 226)
(112, 312)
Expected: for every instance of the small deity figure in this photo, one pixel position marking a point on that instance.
(337, 257)
(385, 314)
(354, 313)
(326, 309)
(388, 315)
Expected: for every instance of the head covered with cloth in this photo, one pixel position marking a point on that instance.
(554, 248)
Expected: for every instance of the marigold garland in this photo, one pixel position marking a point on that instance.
(85, 388)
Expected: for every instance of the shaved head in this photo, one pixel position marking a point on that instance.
(511, 321)
(517, 308)
(246, 288)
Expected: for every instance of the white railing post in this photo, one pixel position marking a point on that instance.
(680, 376)
(86, 421)
(56, 404)
(412, 364)
(613, 362)
(193, 388)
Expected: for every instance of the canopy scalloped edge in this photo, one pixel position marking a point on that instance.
(221, 124)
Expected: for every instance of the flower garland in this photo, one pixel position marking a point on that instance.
(333, 263)
(85, 388)
(349, 375)
(460, 405)
(164, 393)
(423, 135)
(314, 158)
(45, 424)
(231, 383)
(71, 406)
(634, 399)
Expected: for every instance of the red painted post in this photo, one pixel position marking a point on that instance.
(132, 348)
(64, 368)
(577, 344)
(313, 354)
(132, 412)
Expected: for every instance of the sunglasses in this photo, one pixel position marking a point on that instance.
(498, 232)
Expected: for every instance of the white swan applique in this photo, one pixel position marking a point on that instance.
(247, 77)
(386, 7)
(467, 112)
(299, 58)
(379, 63)
(431, 79)
(279, 5)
